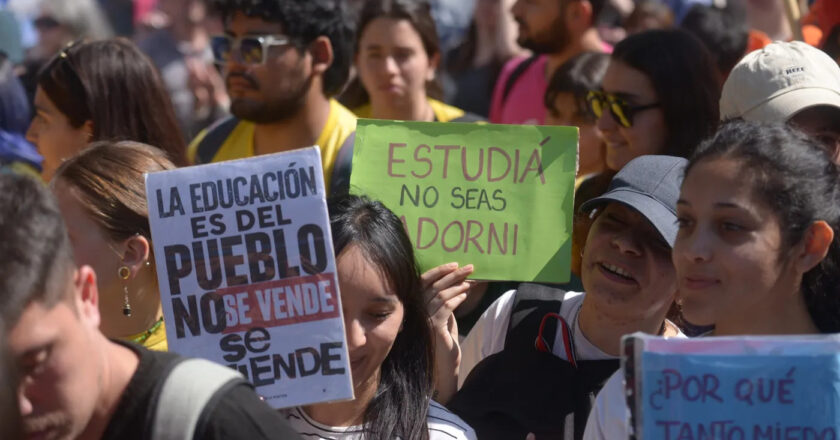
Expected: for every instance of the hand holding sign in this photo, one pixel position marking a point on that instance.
(444, 289)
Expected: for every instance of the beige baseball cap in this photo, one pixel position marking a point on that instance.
(774, 83)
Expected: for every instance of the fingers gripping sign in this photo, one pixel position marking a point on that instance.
(445, 287)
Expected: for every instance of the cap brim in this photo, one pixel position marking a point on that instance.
(782, 107)
(660, 216)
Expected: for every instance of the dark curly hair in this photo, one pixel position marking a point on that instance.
(303, 21)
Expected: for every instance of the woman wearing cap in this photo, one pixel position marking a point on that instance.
(627, 274)
(758, 236)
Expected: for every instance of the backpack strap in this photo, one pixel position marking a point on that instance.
(185, 392)
(530, 324)
(214, 139)
(517, 72)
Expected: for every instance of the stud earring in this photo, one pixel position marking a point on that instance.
(125, 273)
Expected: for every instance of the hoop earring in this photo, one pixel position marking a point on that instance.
(125, 273)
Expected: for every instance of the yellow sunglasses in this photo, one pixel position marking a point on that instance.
(619, 108)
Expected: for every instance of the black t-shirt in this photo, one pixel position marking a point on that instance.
(234, 412)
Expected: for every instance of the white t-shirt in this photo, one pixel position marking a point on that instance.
(488, 335)
(610, 417)
(443, 425)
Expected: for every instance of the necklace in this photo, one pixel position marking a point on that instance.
(142, 337)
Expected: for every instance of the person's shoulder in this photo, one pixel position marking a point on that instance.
(513, 63)
(344, 117)
(362, 111)
(209, 141)
(445, 425)
(449, 113)
(236, 412)
(341, 124)
(609, 415)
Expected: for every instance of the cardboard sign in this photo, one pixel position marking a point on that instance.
(497, 196)
(745, 388)
(247, 273)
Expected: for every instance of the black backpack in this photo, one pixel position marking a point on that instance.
(525, 388)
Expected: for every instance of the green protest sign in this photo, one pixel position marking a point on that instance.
(497, 196)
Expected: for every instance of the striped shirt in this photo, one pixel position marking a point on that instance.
(443, 425)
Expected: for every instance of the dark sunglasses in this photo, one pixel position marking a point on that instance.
(619, 108)
(251, 49)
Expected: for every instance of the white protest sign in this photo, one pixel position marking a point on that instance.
(740, 388)
(247, 273)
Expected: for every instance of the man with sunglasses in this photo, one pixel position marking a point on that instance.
(555, 31)
(282, 61)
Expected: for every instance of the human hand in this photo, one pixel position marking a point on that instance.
(444, 289)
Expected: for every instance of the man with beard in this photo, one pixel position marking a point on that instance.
(282, 60)
(555, 31)
(77, 384)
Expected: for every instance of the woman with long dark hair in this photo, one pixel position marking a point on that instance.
(388, 336)
(101, 90)
(659, 95)
(759, 233)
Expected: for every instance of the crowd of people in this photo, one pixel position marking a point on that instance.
(707, 201)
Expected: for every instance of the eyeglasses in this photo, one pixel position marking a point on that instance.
(620, 109)
(251, 49)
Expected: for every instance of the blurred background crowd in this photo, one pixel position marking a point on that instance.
(477, 38)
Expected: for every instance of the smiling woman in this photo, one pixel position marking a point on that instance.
(629, 285)
(388, 336)
(759, 218)
(659, 96)
(757, 251)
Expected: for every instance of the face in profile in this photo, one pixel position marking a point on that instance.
(728, 254)
(567, 112)
(541, 25)
(647, 131)
(626, 270)
(59, 383)
(271, 90)
(53, 134)
(393, 64)
(373, 316)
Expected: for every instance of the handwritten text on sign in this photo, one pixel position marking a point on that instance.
(498, 196)
(740, 396)
(247, 273)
